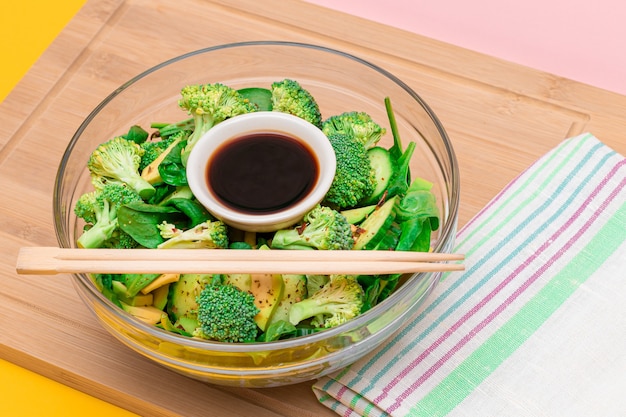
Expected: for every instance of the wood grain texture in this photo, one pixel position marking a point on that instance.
(500, 117)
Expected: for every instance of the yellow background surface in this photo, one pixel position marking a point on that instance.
(26, 29)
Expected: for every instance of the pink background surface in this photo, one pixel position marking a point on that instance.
(580, 40)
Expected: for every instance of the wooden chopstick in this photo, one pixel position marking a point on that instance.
(53, 260)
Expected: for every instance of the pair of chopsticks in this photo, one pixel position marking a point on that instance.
(53, 260)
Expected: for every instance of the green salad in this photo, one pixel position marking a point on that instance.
(141, 199)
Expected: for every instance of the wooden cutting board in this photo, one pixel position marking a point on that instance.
(500, 117)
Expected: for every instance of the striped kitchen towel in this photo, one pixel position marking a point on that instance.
(535, 325)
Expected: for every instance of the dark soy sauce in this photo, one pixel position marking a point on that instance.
(262, 173)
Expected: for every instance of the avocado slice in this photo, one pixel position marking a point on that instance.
(162, 280)
(159, 296)
(151, 172)
(149, 314)
(295, 290)
(241, 281)
(268, 291)
(183, 293)
(122, 294)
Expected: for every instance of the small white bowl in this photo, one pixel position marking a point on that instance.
(261, 133)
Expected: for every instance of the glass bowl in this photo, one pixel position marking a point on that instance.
(339, 82)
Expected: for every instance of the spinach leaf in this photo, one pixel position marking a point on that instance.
(422, 241)
(140, 221)
(192, 209)
(419, 202)
(171, 169)
(278, 330)
(371, 289)
(388, 284)
(162, 192)
(136, 134)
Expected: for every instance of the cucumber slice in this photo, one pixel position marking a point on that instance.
(391, 238)
(357, 215)
(376, 225)
(383, 167)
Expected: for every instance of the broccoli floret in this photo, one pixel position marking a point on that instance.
(206, 235)
(99, 210)
(322, 228)
(117, 161)
(354, 177)
(288, 96)
(358, 125)
(226, 314)
(210, 104)
(121, 240)
(337, 302)
(87, 207)
(314, 283)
